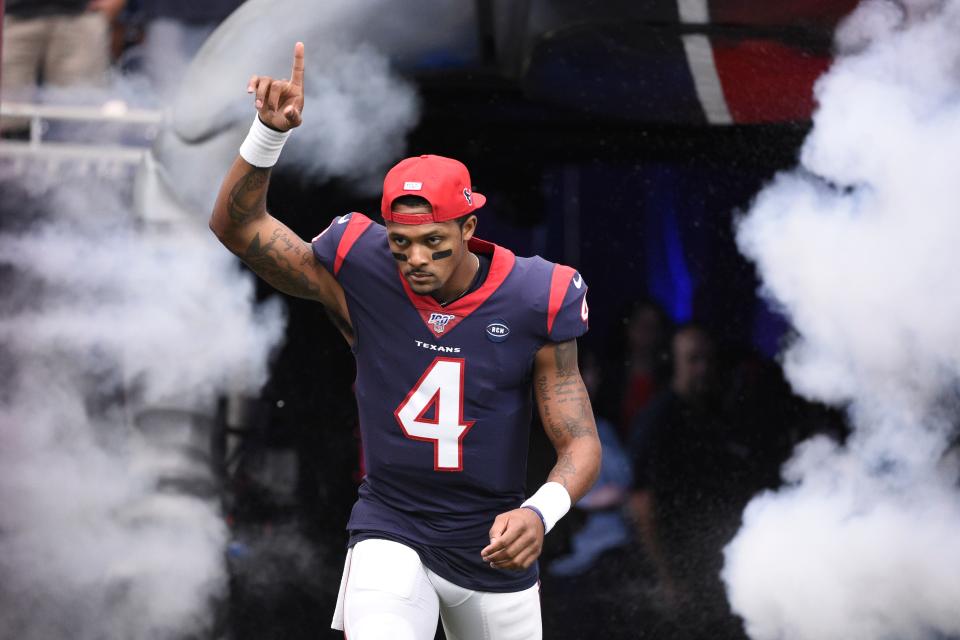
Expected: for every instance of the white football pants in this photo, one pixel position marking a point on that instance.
(386, 593)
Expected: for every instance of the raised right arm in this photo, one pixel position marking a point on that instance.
(240, 218)
(274, 252)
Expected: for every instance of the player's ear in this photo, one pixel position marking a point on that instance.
(469, 226)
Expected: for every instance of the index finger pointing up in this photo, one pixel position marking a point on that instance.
(297, 76)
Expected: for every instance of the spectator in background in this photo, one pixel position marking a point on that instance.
(637, 356)
(687, 497)
(55, 43)
(605, 528)
(174, 30)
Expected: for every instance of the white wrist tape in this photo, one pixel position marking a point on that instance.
(263, 144)
(551, 501)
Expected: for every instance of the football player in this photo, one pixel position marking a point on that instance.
(450, 334)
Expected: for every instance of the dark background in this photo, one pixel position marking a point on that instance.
(642, 210)
(589, 140)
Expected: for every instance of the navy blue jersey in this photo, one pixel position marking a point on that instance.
(444, 394)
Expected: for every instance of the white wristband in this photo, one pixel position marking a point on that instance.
(551, 502)
(263, 144)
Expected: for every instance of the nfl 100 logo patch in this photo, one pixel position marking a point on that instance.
(439, 321)
(497, 331)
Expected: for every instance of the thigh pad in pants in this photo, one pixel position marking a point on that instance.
(386, 595)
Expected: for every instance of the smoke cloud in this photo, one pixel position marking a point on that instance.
(117, 331)
(357, 111)
(858, 247)
(102, 325)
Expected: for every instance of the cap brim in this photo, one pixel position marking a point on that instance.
(478, 200)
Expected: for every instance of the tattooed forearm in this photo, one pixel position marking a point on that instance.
(276, 261)
(248, 198)
(567, 418)
(564, 471)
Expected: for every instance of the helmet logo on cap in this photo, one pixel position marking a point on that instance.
(468, 196)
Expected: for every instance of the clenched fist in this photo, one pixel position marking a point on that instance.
(280, 102)
(516, 540)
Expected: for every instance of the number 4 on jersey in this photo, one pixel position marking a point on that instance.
(440, 388)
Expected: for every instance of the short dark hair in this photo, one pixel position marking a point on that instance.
(462, 220)
(412, 201)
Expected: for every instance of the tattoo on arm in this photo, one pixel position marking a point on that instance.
(543, 395)
(564, 471)
(565, 355)
(568, 373)
(248, 198)
(568, 419)
(543, 392)
(571, 414)
(281, 261)
(578, 426)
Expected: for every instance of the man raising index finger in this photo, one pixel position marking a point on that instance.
(279, 103)
(448, 331)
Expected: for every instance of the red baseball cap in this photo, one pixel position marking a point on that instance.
(443, 182)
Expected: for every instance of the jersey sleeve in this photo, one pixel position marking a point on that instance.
(332, 246)
(567, 311)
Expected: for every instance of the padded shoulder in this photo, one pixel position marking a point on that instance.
(557, 293)
(332, 246)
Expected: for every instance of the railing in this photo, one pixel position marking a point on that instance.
(113, 112)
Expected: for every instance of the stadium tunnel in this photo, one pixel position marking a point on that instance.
(618, 137)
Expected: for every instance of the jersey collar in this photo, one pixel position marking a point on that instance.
(436, 316)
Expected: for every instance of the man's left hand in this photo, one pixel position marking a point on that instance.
(516, 540)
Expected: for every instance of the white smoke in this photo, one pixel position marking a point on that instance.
(116, 334)
(358, 109)
(100, 322)
(858, 247)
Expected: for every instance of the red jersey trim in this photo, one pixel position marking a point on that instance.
(500, 266)
(559, 283)
(355, 227)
